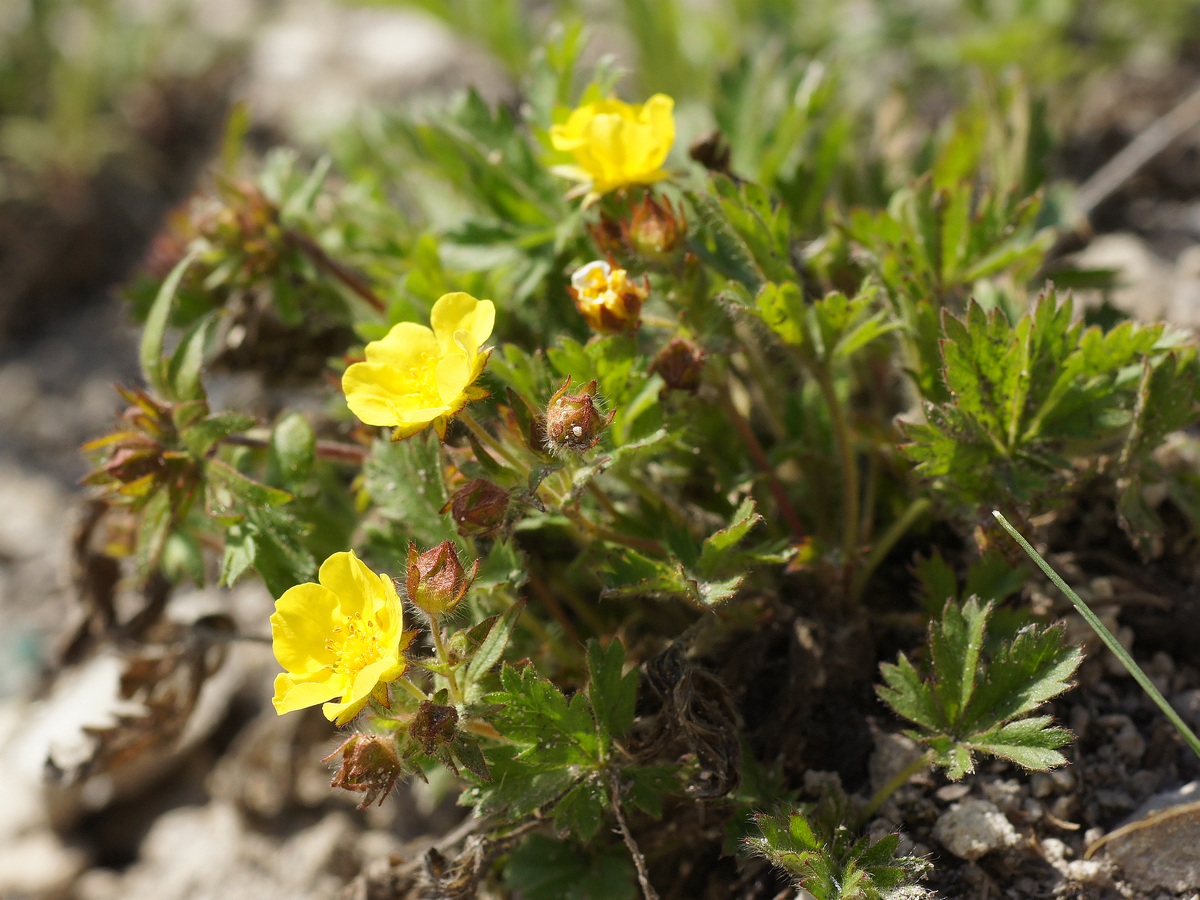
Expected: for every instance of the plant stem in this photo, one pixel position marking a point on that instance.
(746, 433)
(412, 689)
(322, 260)
(491, 443)
(435, 630)
(647, 545)
(331, 450)
(1107, 637)
(845, 451)
(884, 545)
(639, 861)
(894, 784)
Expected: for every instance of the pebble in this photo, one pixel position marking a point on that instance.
(973, 828)
(893, 751)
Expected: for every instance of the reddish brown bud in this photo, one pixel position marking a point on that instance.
(572, 420)
(608, 235)
(478, 507)
(370, 767)
(437, 581)
(656, 229)
(680, 364)
(434, 725)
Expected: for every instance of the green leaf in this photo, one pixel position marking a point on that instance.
(239, 555)
(404, 478)
(612, 692)
(542, 868)
(153, 529)
(491, 648)
(183, 373)
(582, 810)
(240, 489)
(719, 546)
(205, 434)
(151, 352)
(970, 701)
(294, 448)
(828, 860)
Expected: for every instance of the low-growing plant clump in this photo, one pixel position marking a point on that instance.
(629, 486)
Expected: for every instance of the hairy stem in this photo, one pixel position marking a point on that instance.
(484, 437)
(331, 450)
(845, 451)
(639, 861)
(746, 433)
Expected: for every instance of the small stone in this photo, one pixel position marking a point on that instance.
(1064, 779)
(950, 792)
(1006, 793)
(892, 753)
(1187, 704)
(973, 828)
(1159, 849)
(1041, 785)
(38, 865)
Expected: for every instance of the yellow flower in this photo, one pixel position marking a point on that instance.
(341, 638)
(415, 375)
(607, 297)
(615, 144)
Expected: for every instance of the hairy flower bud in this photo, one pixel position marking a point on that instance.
(572, 420)
(370, 766)
(478, 507)
(608, 299)
(437, 581)
(679, 364)
(656, 229)
(434, 726)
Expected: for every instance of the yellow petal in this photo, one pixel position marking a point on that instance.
(399, 347)
(357, 587)
(461, 312)
(453, 375)
(389, 612)
(291, 695)
(304, 618)
(357, 694)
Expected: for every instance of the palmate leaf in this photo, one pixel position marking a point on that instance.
(830, 861)
(1028, 398)
(971, 701)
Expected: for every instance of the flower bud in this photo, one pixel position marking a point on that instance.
(607, 298)
(478, 507)
(434, 725)
(572, 420)
(370, 767)
(608, 234)
(437, 581)
(656, 229)
(680, 364)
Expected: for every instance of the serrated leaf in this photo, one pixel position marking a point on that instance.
(968, 701)
(491, 648)
(404, 479)
(611, 692)
(719, 545)
(542, 868)
(582, 810)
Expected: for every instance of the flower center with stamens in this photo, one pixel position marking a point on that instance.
(355, 646)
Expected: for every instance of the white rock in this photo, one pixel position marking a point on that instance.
(972, 828)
